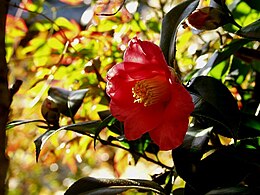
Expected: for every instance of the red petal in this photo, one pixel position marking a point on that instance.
(142, 120)
(145, 52)
(170, 133)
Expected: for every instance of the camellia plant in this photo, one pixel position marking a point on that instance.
(203, 106)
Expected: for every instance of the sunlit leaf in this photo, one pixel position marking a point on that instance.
(64, 23)
(15, 27)
(41, 26)
(219, 56)
(251, 31)
(93, 186)
(41, 55)
(55, 43)
(72, 2)
(170, 26)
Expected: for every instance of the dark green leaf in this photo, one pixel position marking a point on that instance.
(170, 26)
(216, 94)
(68, 102)
(187, 156)
(108, 121)
(236, 190)
(227, 16)
(209, 116)
(224, 168)
(93, 186)
(254, 4)
(116, 126)
(250, 143)
(13, 124)
(251, 31)
(250, 121)
(83, 127)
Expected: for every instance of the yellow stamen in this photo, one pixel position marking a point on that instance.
(150, 91)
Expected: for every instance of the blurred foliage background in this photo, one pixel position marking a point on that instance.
(71, 44)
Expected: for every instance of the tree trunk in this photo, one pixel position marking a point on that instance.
(5, 99)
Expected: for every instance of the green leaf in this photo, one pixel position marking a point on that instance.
(15, 123)
(108, 121)
(170, 26)
(83, 128)
(251, 31)
(212, 98)
(187, 156)
(55, 43)
(219, 56)
(68, 102)
(114, 125)
(64, 23)
(93, 186)
(223, 168)
(249, 143)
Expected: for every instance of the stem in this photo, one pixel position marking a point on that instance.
(5, 100)
(105, 142)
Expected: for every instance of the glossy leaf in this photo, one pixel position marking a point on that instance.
(187, 156)
(68, 102)
(114, 125)
(93, 186)
(220, 101)
(223, 168)
(82, 127)
(170, 26)
(107, 121)
(15, 123)
(251, 31)
(219, 56)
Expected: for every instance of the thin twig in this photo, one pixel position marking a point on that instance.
(105, 142)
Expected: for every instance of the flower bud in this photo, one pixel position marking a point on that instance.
(50, 111)
(207, 18)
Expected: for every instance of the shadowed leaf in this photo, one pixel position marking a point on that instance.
(251, 31)
(214, 101)
(94, 186)
(68, 102)
(83, 128)
(13, 124)
(170, 26)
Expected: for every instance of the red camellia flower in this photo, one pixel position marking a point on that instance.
(147, 97)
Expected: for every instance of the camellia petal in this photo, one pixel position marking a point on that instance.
(175, 121)
(144, 52)
(142, 120)
(147, 97)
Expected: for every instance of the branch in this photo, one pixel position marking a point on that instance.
(109, 143)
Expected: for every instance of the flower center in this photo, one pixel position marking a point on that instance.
(150, 91)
